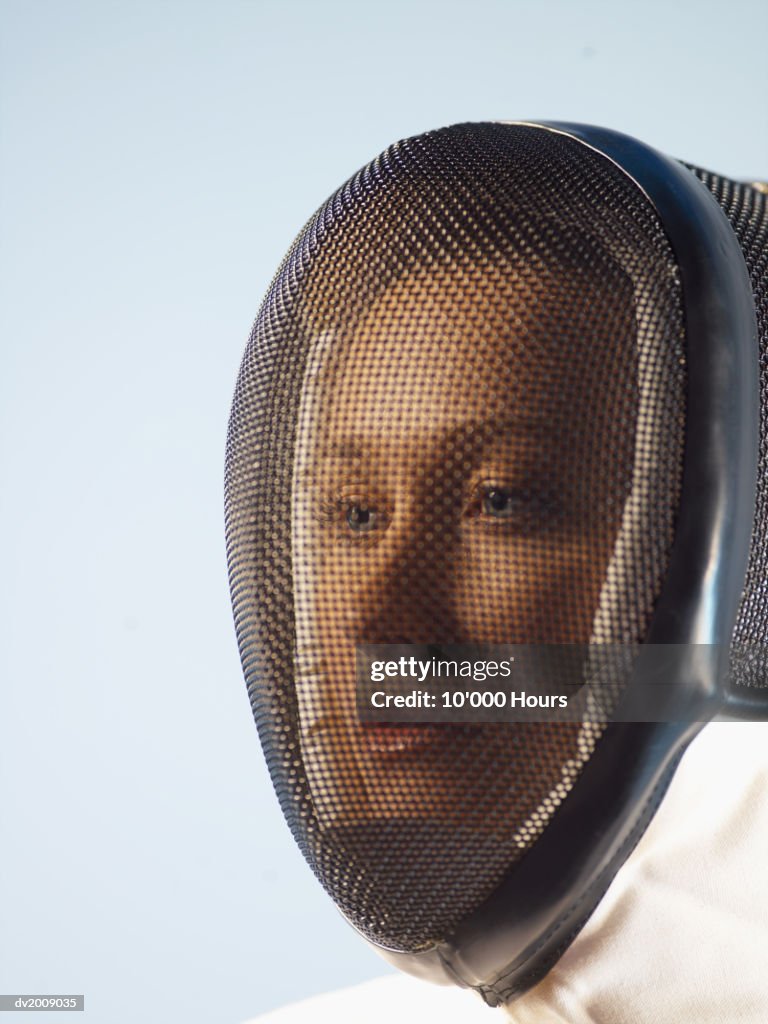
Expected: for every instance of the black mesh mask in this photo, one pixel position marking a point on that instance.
(504, 389)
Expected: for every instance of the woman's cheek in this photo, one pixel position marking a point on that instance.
(517, 590)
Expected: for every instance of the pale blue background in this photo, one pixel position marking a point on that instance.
(156, 159)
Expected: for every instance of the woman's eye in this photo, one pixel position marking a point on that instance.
(523, 509)
(360, 518)
(501, 502)
(352, 519)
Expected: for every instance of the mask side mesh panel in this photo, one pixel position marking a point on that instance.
(747, 210)
(458, 420)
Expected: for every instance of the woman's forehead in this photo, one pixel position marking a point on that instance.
(458, 346)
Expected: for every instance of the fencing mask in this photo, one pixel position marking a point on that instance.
(504, 390)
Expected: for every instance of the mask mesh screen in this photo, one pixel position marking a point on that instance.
(458, 420)
(747, 210)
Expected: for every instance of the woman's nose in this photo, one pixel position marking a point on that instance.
(409, 595)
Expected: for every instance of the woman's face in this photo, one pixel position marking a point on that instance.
(455, 483)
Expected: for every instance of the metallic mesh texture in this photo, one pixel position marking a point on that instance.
(747, 210)
(458, 420)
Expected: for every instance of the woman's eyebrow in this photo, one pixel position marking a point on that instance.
(315, 461)
(346, 450)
